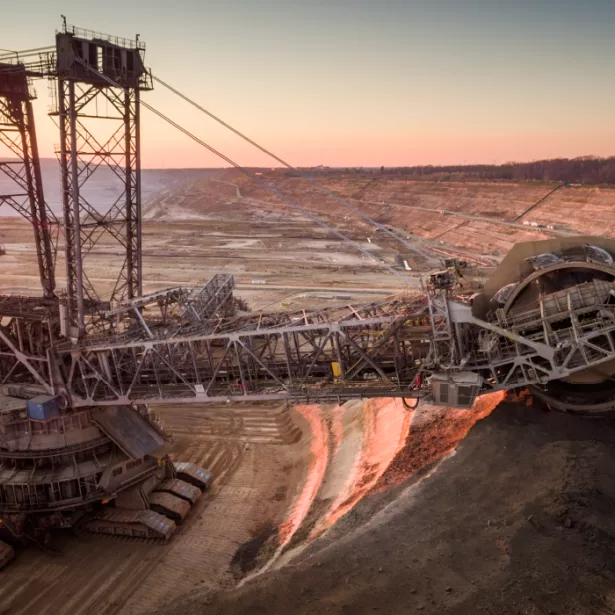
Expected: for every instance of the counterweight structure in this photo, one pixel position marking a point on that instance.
(79, 373)
(85, 99)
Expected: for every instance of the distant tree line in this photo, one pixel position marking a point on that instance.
(584, 170)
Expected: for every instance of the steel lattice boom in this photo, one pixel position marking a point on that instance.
(184, 344)
(380, 349)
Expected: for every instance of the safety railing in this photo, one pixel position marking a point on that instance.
(109, 38)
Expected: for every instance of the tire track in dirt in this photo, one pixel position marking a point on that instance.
(246, 453)
(246, 475)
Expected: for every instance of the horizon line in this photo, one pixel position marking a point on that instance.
(354, 166)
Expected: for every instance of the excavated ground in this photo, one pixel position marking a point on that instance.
(359, 508)
(520, 520)
(255, 455)
(282, 479)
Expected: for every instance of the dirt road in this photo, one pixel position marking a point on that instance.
(464, 216)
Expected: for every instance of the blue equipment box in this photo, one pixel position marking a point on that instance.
(43, 407)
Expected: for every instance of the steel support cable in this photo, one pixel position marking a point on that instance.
(277, 193)
(311, 180)
(257, 180)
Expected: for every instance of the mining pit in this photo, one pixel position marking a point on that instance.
(368, 507)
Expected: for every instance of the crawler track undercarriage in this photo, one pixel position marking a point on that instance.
(97, 471)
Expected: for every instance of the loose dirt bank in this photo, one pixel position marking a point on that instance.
(519, 520)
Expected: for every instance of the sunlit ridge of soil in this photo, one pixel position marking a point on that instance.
(366, 446)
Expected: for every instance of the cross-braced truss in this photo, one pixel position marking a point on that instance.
(22, 169)
(99, 140)
(174, 306)
(358, 351)
(371, 348)
(28, 329)
(88, 216)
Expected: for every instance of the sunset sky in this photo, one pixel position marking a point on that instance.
(358, 82)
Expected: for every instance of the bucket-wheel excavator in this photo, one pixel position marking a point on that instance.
(80, 444)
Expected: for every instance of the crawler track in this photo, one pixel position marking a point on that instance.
(108, 575)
